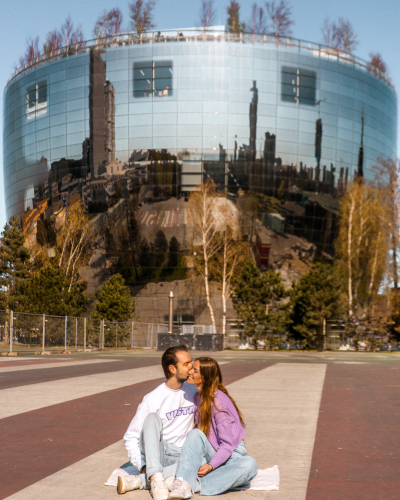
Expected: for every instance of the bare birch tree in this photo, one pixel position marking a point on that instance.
(363, 244)
(141, 14)
(207, 14)
(339, 35)
(388, 182)
(108, 24)
(257, 20)
(73, 238)
(227, 264)
(280, 17)
(206, 242)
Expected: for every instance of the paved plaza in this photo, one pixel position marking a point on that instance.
(330, 421)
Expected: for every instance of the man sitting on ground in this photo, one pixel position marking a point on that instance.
(157, 432)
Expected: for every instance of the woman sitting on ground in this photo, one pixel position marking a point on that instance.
(213, 458)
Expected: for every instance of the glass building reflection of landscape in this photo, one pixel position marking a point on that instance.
(150, 118)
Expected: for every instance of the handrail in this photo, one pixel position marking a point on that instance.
(217, 35)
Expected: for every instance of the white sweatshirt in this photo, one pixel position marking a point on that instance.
(176, 410)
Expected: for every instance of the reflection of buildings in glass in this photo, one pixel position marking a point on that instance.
(102, 115)
(160, 145)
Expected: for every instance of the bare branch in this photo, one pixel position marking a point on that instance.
(281, 19)
(108, 24)
(258, 20)
(377, 62)
(207, 14)
(339, 35)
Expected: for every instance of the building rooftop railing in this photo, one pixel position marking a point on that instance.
(217, 35)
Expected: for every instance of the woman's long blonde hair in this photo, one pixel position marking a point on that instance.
(212, 381)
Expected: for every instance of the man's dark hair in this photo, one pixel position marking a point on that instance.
(169, 358)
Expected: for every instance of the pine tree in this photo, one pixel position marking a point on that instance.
(114, 301)
(14, 267)
(316, 297)
(47, 293)
(255, 292)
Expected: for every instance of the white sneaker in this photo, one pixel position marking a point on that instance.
(169, 482)
(128, 483)
(158, 488)
(180, 490)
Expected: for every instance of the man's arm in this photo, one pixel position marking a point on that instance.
(132, 435)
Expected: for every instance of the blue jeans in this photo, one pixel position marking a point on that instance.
(238, 470)
(160, 456)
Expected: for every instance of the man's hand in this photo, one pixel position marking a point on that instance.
(205, 469)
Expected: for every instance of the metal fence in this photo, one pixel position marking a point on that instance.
(44, 331)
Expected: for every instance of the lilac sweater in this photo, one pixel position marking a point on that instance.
(226, 431)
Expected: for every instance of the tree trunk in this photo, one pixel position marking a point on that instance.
(349, 253)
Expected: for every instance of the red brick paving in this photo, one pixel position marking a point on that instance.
(37, 444)
(357, 446)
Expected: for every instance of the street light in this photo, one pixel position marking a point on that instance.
(171, 317)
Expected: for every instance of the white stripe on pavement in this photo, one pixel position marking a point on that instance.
(64, 362)
(18, 400)
(280, 405)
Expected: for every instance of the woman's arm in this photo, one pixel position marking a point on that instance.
(226, 431)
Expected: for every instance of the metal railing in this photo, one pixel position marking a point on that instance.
(215, 35)
(45, 331)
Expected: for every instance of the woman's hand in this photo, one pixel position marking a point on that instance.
(205, 469)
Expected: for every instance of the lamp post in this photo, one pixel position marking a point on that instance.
(171, 316)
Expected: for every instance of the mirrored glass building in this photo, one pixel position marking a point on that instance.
(148, 119)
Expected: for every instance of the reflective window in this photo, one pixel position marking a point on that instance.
(298, 85)
(36, 100)
(152, 78)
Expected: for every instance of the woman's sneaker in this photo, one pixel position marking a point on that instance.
(128, 483)
(180, 490)
(158, 488)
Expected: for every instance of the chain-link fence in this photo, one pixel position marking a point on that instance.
(44, 331)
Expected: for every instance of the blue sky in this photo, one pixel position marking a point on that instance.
(376, 24)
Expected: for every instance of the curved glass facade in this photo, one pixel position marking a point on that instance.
(154, 119)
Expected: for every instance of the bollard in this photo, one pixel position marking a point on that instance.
(84, 335)
(11, 330)
(44, 332)
(76, 333)
(66, 326)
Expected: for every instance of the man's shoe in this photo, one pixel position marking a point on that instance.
(169, 482)
(158, 488)
(128, 483)
(180, 490)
